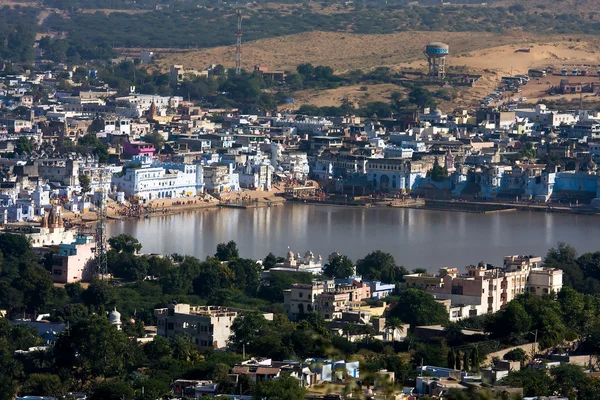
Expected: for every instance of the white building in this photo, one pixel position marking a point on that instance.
(160, 181)
(547, 117)
(209, 326)
(137, 104)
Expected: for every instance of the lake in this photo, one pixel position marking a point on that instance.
(416, 238)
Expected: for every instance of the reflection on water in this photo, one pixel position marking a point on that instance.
(416, 238)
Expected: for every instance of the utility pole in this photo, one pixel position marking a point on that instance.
(238, 48)
(534, 348)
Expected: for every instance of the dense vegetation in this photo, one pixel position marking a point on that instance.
(208, 27)
(91, 355)
(92, 36)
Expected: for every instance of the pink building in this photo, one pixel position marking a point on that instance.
(490, 290)
(139, 149)
(75, 261)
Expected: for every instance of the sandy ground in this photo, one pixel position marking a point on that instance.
(170, 206)
(490, 55)
(354, 94)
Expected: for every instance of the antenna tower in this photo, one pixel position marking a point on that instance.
(238, 48)
(101, 240)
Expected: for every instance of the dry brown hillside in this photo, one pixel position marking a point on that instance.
(342, 51)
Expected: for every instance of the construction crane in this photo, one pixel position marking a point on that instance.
(238, 48)
(101, 239)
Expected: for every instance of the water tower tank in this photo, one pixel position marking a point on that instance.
(437, 49)
(436, 53)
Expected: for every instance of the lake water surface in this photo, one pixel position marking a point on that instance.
(416, 238)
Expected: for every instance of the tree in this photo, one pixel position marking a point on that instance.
(157, 139)
(23, 146)
(380, 266)
(528, 152)
(466, 361)
(438, 173)
(421, 97)
(516, 355)
(125, 243)
(84, 182)
(567, 378)
(269, 261)
(451, 359)
(93, 348)
(285, 387)
(99, 293)
(246, 275)
(36, 285)
(307, 70)
(417, 307)
(513, 320)
(46, 384)
(339, 267)
(227, 251)
(128, 266)
(475, 360)
(213, 275)
(535, 382)
(112, 390)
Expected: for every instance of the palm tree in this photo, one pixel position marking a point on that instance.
(393, 324)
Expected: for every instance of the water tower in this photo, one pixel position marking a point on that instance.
(436, 53)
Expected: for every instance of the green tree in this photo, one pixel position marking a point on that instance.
(36, 286)
(99, 294)
(157, 139)
(516, 355)
(285, 387)
(438, 173)
(417, 307)
(213, 276)
(451, 359)
(84, 182)
(246, 275)
(339, 267)
(380, 266)
(466, 361)
(46, 384)
(125, 243)
(93, 348)
(535, 382)
(567, 378)
(475, 360)
(421, 97)
(528, 152)
(269, 261)
(112, 390)
(24, 146)
(227, 251)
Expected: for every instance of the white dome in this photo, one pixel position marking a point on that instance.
(115, 317)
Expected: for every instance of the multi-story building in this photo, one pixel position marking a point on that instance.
(58, 170)
(324, 297)
(209, 326)
(221, 178)
(486, 289)
(161, 181)
(74, 261)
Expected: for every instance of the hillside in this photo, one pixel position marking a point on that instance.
(344, 51)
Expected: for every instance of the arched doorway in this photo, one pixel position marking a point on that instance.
(384, 182)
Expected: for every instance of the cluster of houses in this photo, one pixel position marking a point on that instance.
(165, 147)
